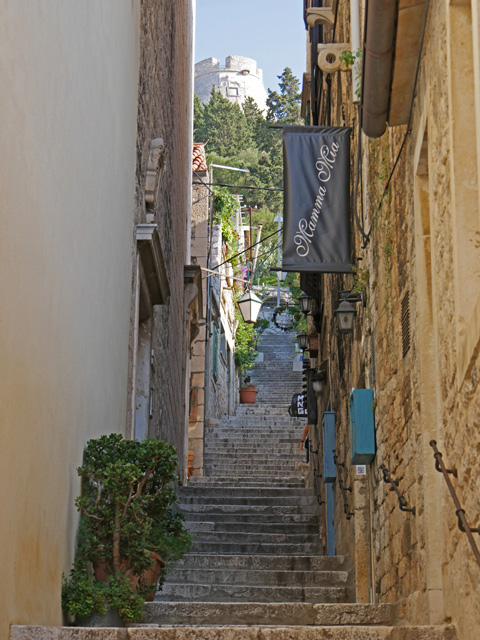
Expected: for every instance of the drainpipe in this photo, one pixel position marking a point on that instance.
(355, 45)
(255, 254)
(378, 58)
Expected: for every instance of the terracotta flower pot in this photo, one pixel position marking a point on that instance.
(149, 576)
(248, 395)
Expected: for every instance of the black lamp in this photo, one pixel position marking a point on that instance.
(249, 305)
(305, 303)
(302, 340)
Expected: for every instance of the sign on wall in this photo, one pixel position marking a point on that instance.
(316, 221)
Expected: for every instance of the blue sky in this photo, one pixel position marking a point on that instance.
(272, 32)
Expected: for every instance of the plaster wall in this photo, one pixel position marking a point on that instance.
(69, 78)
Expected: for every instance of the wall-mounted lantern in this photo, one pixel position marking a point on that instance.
(305, 303)
(318, 381)
(302, 340)
(249, 305)
(345, 312)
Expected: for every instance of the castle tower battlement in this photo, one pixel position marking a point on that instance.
(238, 79)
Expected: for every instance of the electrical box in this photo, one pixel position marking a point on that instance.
(328, 427)
(362, 425)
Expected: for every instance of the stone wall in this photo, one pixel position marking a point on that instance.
(219, 389)
(199, 249)
(238, 79)
(416, 342)
(164, 111)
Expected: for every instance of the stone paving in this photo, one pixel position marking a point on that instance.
(256, 570)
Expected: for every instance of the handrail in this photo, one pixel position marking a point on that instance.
(343, 488)
(402, 502)
(316, 475)
(462, 518)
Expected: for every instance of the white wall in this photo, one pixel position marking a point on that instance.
(68, 99)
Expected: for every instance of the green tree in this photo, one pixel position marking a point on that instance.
(225, 125)
(256, 123)
(199, 129)
(284, 105)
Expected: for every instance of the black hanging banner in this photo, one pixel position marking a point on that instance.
(316, 216)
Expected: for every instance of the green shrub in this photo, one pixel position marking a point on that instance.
(245, 344)
(126, 511)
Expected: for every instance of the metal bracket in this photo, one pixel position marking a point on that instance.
(329, 57)
(320, 15)
(402, 502)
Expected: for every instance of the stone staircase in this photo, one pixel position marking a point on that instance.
(256, 570)
(274, 377)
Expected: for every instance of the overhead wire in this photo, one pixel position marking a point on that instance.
(238, 186)
(250, 247)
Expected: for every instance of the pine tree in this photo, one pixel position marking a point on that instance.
(225, 126)
(285, 105)
(199, 129)
(256, 122)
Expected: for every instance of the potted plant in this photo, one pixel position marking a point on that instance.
(248, 392)
(127, 526)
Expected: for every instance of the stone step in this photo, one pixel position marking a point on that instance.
(257, 518)
(269, 613)
(247, 508)
(266, 445)
(285, 450)
(267, 409)
(213, 525)
(259, 461)
(243, 468)
(244, 492)
(252, 577)
(249, 593)
(253, 501)
(246, 481)
(263, 478)
(229, 451)
(254, 631)
(257, 472)
(267, 562)
(303, 614)
(264, 548)
(253, 439)
(237, 426)
(252, 424)
(248, 537)
(282, 449)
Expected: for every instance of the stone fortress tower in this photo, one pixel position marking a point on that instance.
(237, 80)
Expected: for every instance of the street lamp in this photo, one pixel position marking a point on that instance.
(318, 380)
(345, 313)
(302, 340)
(249, 305)
(305, 303)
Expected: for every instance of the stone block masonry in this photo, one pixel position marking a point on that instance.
(238, 79)
(164, 111)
